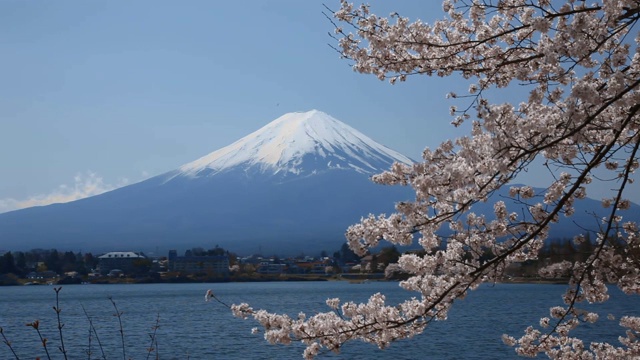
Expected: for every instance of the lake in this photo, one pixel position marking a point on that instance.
(193, 329)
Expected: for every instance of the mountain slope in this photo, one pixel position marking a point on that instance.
(293, 186)
(299, 143)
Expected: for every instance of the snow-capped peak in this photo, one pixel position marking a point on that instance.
(300, 142)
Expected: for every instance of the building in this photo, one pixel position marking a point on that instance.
(268, 268)
(119, 260)
(217, 265)
(42, 275)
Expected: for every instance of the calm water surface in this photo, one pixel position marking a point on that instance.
(193, 329)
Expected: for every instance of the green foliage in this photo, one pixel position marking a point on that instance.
(21, 263)
(7, 264)
(346, 255)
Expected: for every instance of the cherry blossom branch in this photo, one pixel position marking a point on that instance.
(8, 343)
(93, 329)
(60, 324)
(36, 325)
(118, 314)
(579, 65)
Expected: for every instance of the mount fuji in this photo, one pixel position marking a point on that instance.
(291, 187)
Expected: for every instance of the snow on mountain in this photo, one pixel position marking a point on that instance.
(293, 186)
(286, 145)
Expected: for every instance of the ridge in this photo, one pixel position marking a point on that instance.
(299, 143)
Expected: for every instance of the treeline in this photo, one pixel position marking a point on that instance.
(21, 263)
(555, 251)
(217, 251)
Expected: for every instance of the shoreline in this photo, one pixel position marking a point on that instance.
(179, 279)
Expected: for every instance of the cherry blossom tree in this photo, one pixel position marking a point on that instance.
(579, 64)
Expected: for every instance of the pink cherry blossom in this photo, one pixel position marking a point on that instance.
(580, 63)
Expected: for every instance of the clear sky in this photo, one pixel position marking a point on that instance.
(98, 94)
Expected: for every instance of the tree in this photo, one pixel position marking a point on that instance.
(69, 262)
(580, 65)
(217, 251)
(7, 263)
(21, 262)
(388, 255)
(90, 261)
(347, 255)
(53, 261)
(198, 251)
(141, 267)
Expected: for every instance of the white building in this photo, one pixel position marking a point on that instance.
(119, 260)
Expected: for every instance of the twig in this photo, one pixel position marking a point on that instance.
(88, 351)
(60, 324)
(157, 352)
(154, 340)
(118, 314)
(8, 343)
(43, 340)
(91, 327)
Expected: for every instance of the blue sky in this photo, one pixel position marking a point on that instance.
(98, 94)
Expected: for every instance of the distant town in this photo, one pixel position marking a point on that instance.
(40, 266)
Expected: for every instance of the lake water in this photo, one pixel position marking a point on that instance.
(193, 329)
